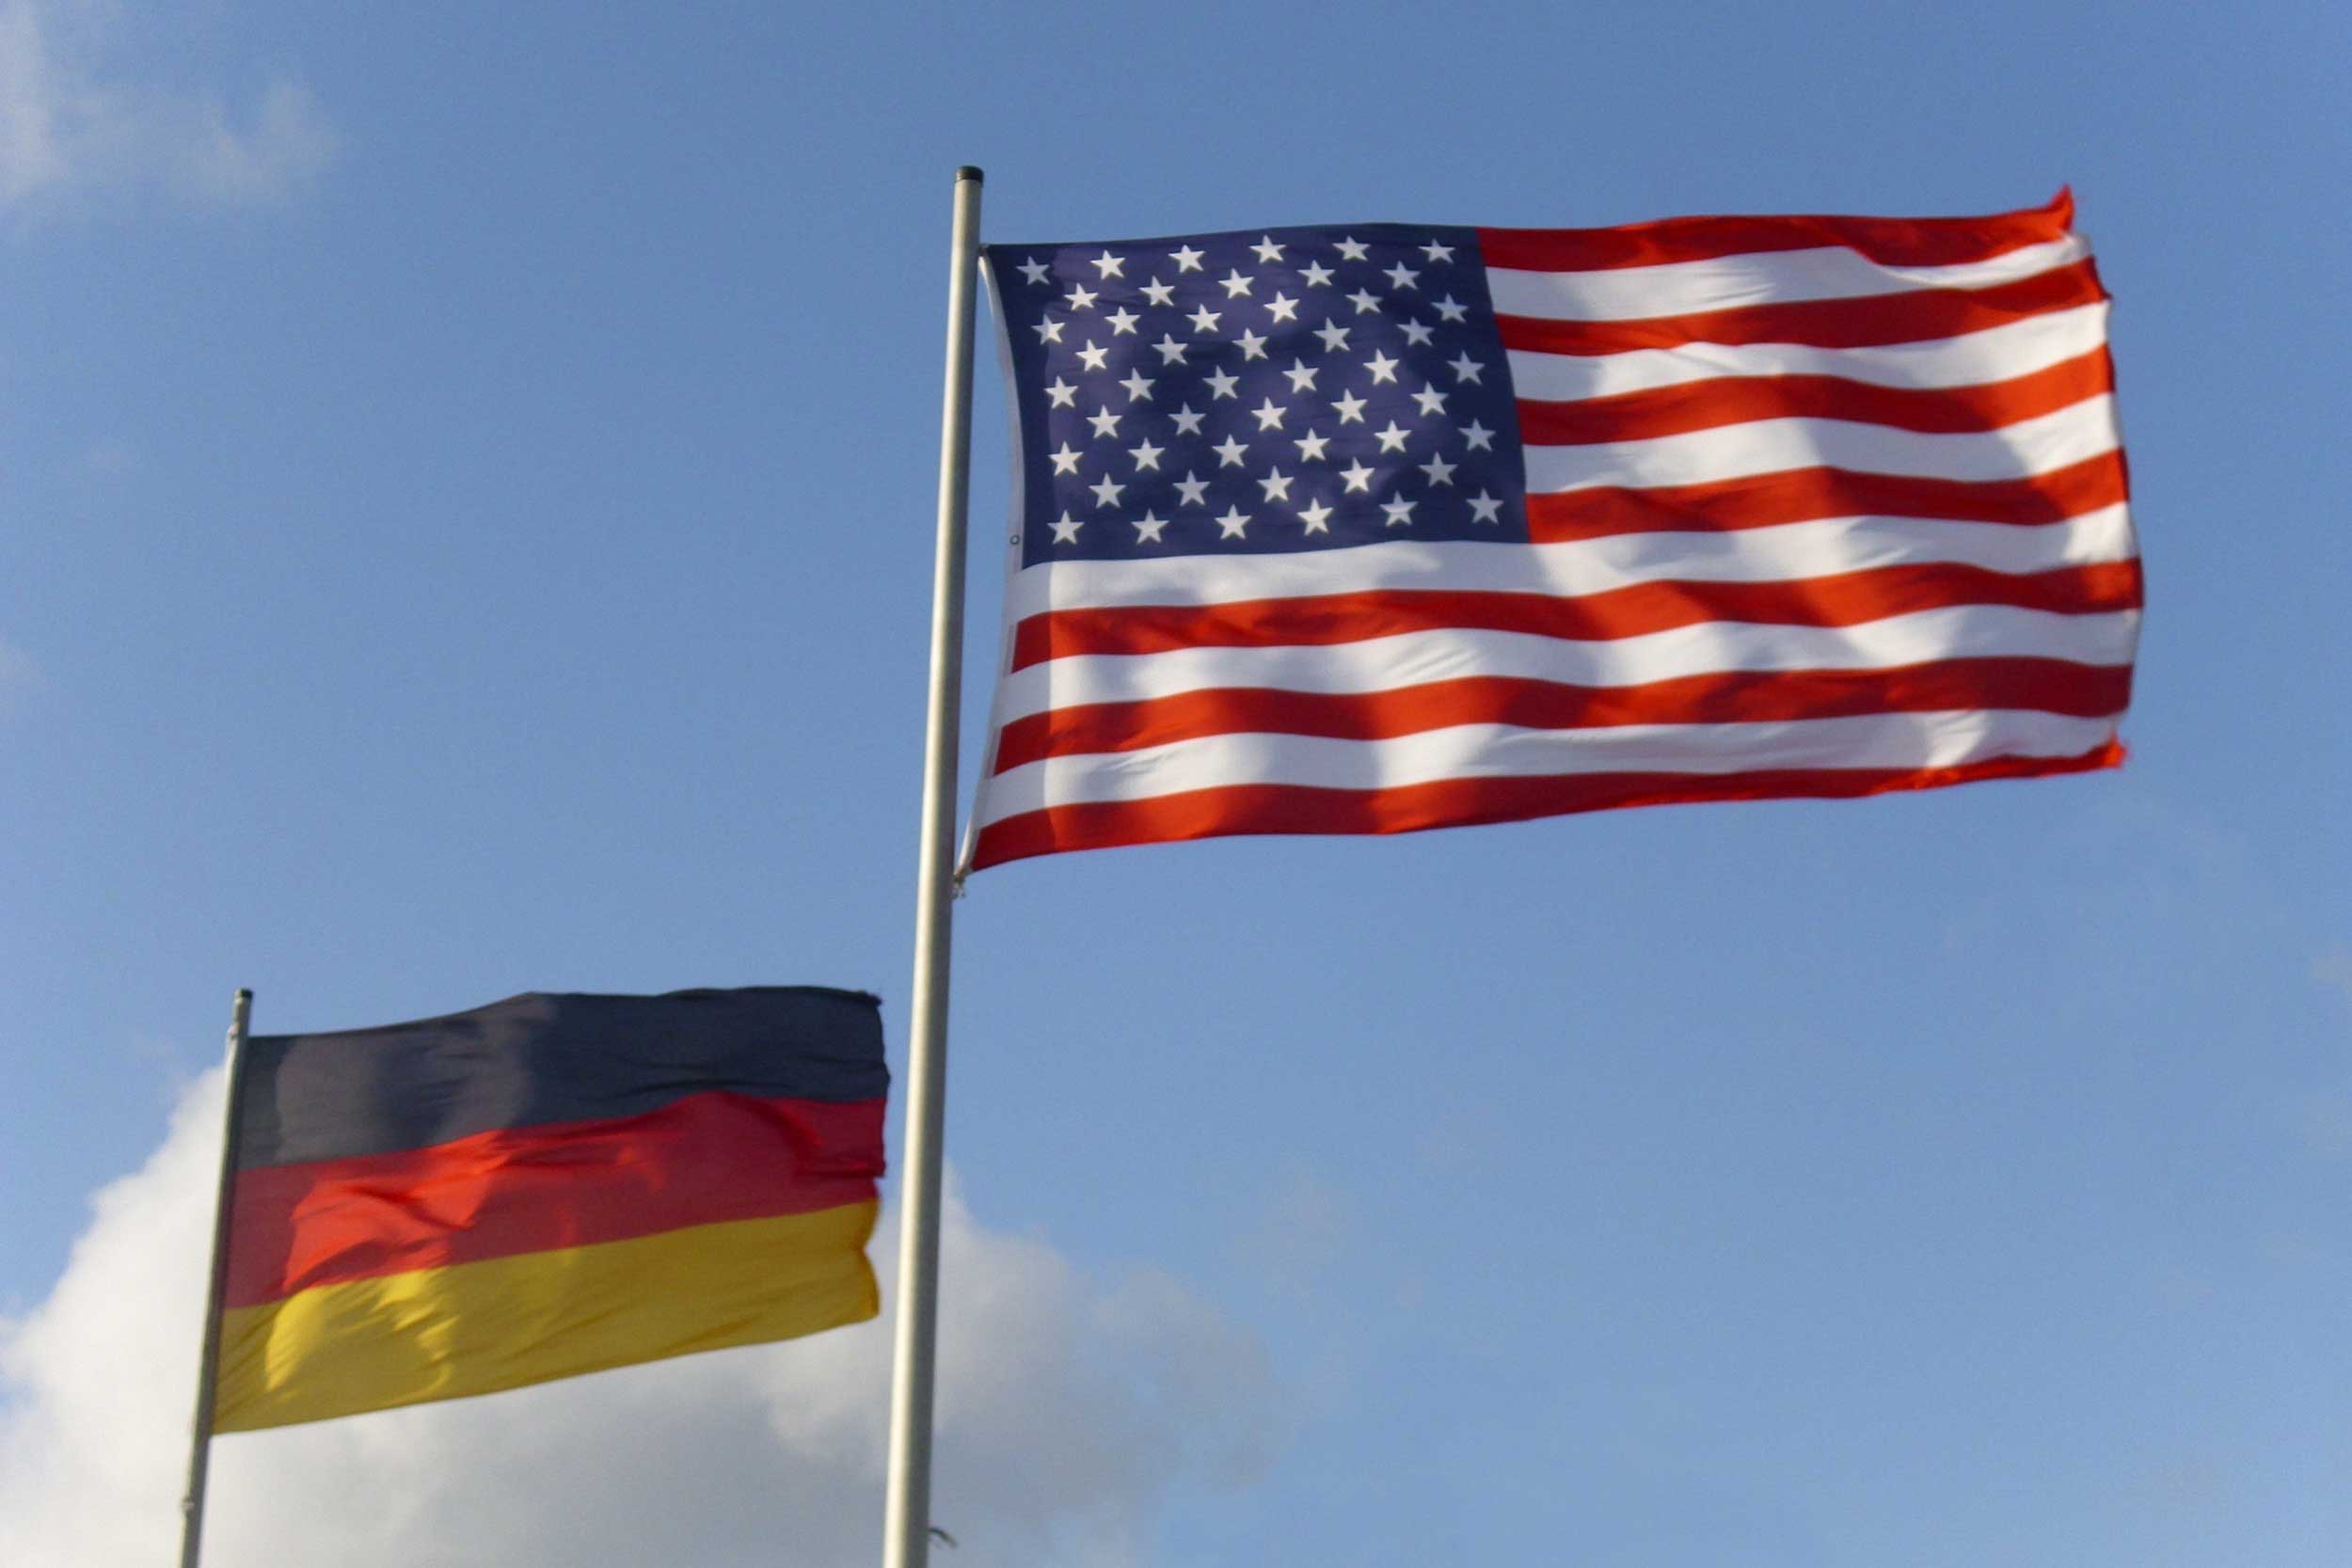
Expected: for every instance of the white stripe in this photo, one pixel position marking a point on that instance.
(1874, 740)
(1780, 553)
(1760, 277)
(1416, 658)
(2034, 446)
(1995, 354)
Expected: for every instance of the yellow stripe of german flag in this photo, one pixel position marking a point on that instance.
(507, 1323)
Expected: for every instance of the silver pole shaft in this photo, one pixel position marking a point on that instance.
(906, 1519)
(208, 1361)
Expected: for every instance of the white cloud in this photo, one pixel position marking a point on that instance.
(1069, 1406)
(66, 126)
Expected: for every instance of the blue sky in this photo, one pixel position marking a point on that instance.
(465, 527)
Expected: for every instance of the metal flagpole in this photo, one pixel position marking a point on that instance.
(906, 1519)
(208, 1362)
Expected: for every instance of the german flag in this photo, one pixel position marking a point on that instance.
(549, 1185)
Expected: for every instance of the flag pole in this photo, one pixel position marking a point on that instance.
(208, 1361)
(906, 1518)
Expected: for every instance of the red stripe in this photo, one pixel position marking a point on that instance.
(1730, 400)
(1458, 802)
(1893, 242)
(706, 1158)
(1874, 321)
(1847, 598)
(1799, 495)
(2037, 684)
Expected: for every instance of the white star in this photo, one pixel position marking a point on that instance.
(1236, 284)
(1192, 490)
(1063, 394)
(1479, 436)
(1311, 447)
(1464, 368)
(1187, 259)
(1148, 529)
(1187, 422)
(1382, 368)
(1234, 523)
(1170, 350)
(1106, 490)
(1486, 509)
(1082, 298)
(1269, 415)
(1221, 384)
(1229, 453)
(1123, 320)
(1108, 265)
(1436, 252)
(1276, 486)
(1358, 476)
(1146, 456)
(1401, 274)
(1364, 299)
(1431, 400)
(1316, 275)
(1252, 345)
(1400, 512)
(1093, 358)
(1391, 439)
(1267, 250)
(1049, 331)
(1316, 516)
(1281, 308)
(1162, 294)
(1415, 333)
(1139, 386)
(1034, 271)
(1066, 531)
(1439, 471)
(1105, 423)
(1351, 249)
(1334, 336)
(1066, 460)
(1351, 408)
(1206, 319)
(1448, 310)
(1302, 375)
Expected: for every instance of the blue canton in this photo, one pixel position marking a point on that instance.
(1268, 390)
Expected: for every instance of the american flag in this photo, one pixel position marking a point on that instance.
(1384, 526)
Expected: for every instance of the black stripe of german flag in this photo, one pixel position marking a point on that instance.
(549, 1185)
